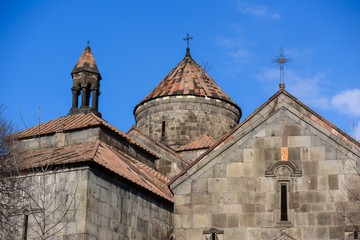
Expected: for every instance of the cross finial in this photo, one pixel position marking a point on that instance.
(88, 43)
(187, 39)
(282, 60)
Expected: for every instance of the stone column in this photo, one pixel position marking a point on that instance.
(75, 93)
(84, 97)
(95, 98)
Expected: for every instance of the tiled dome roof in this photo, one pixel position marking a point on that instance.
(188, 78)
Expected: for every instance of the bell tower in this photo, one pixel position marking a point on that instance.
(86, 85)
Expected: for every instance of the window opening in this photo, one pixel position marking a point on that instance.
(356, 235)
(163, 129)
(89, 100)
(284, 216)
(213, 236)
(26, 220)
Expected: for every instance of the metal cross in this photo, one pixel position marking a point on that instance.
(187, 39)
(282, 60)
(88, 43)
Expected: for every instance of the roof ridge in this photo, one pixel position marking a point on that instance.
(201, 145)
(133, 127)
(132, 163)
(96, 148)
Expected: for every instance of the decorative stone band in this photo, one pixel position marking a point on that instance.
(213, 230)
(294, 171)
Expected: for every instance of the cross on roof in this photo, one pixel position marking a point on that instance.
(187, 39)
(282, 60)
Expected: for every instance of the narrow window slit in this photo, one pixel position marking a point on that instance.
(163, 129)
(26, 220)
(284, 216)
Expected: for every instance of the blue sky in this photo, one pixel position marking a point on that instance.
(137, 43)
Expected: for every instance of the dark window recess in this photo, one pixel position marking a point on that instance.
(26, 220)
(163, 129)
(356, 235)
(213, 236)
(284, 216)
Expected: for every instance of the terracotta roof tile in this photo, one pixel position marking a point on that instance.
(315, 117)
(86, 62)
(74, 122)
(202, 142)
(188, 78)
(108, 157)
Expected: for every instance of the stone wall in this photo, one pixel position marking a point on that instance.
(56, 202)
(116, 212)
(186, 118)
(99, 208)
(230, 190)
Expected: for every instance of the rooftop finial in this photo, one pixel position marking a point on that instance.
(187, 39)
(88, 43)
(282, 60)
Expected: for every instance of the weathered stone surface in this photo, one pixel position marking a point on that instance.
(185, 118)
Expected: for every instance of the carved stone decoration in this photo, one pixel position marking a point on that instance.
(213, 234)
(293, 169)
(284, 236)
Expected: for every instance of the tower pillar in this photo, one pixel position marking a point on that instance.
(75, 93)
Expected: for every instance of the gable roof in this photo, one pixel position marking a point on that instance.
(134, 129)
(312, 115)
(75, 122)
(188, 78)
(203, 142)
(109, 157)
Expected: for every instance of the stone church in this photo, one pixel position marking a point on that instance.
(190, 169)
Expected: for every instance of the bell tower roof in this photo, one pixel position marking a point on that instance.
(188, 78)
(86, 62)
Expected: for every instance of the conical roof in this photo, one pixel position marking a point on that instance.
(188, 78)
(86, 62)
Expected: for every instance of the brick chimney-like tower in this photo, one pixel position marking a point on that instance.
(86, 83)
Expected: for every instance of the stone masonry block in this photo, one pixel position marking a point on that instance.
(317, 153)
(331, 167)
(201, 220)
(333, 182)
(233, 184)
(247, 220)
(323, 219)
(310, 168)
(219, 220)
(193, 234)
(299, 141)
(217, 185)
(239, 170)
(186, 221)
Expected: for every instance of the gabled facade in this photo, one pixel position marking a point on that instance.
(282, 173)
